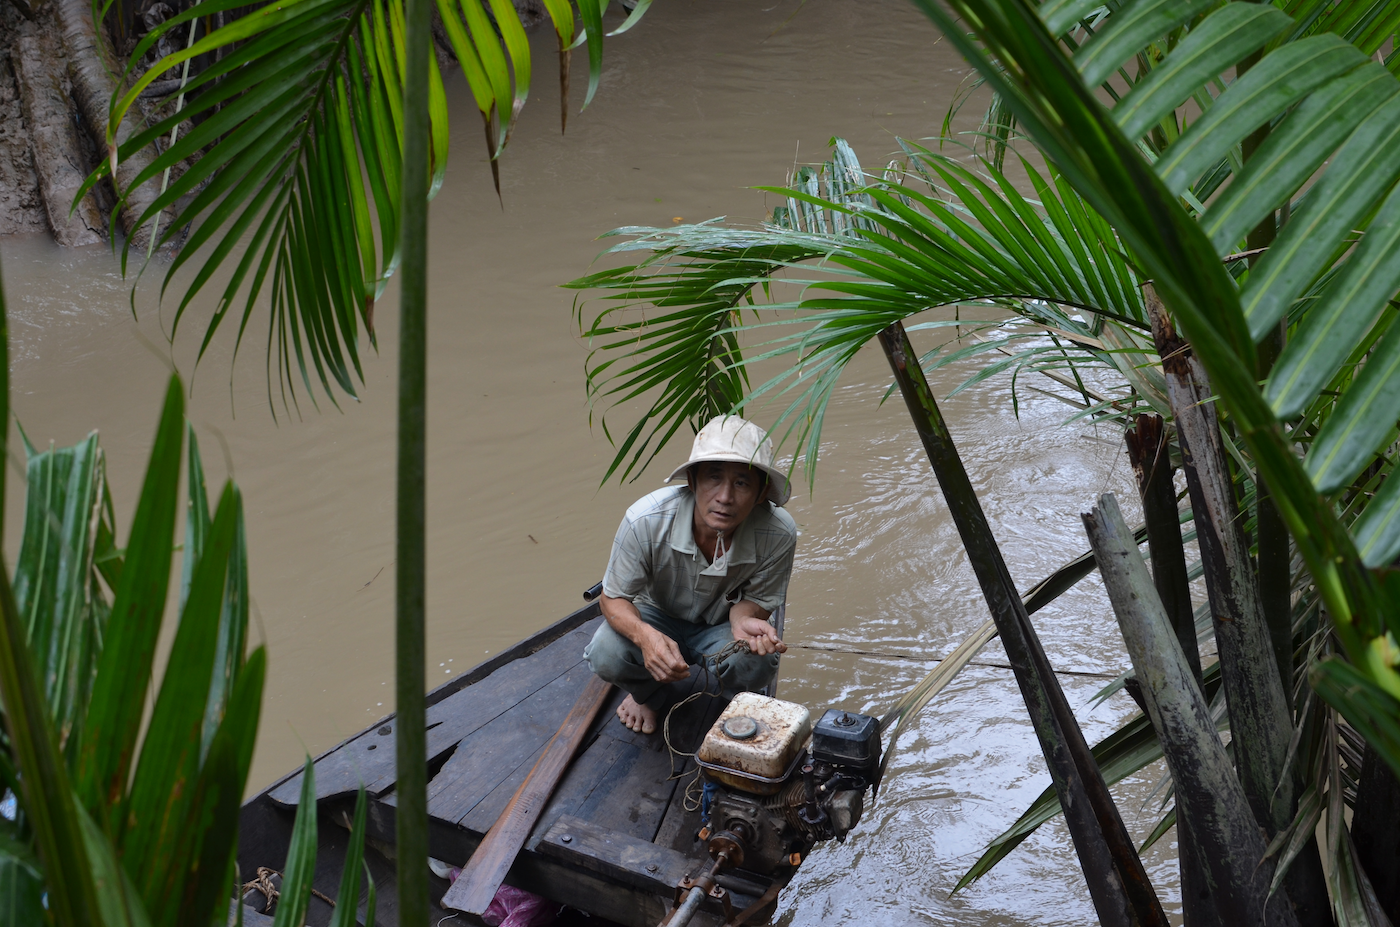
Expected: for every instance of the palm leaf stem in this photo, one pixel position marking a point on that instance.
(1148, 451)
(1118, 883)
(410, 586)
(1150, 456)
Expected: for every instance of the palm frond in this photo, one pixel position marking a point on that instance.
(884, 250)
(300, 112)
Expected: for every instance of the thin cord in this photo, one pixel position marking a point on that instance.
(724, 653)
(692, 797)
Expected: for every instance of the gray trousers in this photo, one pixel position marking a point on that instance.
(619, 661)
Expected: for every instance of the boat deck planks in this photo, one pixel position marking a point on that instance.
(487, 728)
(493, 760)
(369, 757)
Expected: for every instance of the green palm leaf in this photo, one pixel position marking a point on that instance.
(1129, 30)
(888, 251)
(1209, 49)
(300, 111)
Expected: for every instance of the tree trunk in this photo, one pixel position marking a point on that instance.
(1151, 459)
(1118, 883)
(1207, 792)
(1375, 830)
(1148, 452)
(1260, 721)
(53, 138)
(1260, 716)
(91, 68)
(21, 204)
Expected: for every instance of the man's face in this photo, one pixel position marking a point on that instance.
(725, 494)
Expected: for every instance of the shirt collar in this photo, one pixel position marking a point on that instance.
(743, 549)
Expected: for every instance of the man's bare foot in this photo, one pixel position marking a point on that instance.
(636, 717)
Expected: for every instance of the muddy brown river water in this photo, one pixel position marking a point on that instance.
(697, 104)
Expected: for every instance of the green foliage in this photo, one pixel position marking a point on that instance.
(942, 236)
(1074, 130)
(181, 805)
(1167, 196)
(302, 105)
(110, 846)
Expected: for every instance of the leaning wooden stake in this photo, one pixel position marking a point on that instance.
(484, 872)
(1207, 792)
(1118, 883)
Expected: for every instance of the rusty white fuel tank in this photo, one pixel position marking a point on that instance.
(756, 743)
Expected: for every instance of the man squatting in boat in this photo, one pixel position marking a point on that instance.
(694, 568)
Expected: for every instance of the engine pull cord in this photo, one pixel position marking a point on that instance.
(690, 797)
(724, 653)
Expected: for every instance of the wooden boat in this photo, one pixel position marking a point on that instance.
(615, 839)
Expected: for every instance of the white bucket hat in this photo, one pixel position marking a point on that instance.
(731, 439)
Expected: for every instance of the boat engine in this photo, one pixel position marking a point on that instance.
(775, 785)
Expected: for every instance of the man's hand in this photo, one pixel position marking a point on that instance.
(662, 657)
(761, 636)
(660, 654)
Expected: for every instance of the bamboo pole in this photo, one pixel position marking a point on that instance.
(1207, 791)
(409, 592)
(1118, 883)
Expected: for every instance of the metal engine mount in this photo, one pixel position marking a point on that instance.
(775, 785)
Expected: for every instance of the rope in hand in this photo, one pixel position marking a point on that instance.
(690, 800)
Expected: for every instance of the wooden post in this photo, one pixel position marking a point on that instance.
(1118, 883)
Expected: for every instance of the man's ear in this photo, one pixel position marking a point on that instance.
(690, 477)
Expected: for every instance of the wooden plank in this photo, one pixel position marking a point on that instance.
(476, 886)
(251, 917)
(623, 859)
(603, 898)
(625, 781)
(264, 833)
(370, 757)
(590, 769)
(634, 796)
(502, 752)
(650, 871)
(679, 827)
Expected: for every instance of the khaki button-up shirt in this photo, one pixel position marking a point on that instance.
(655, 560)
